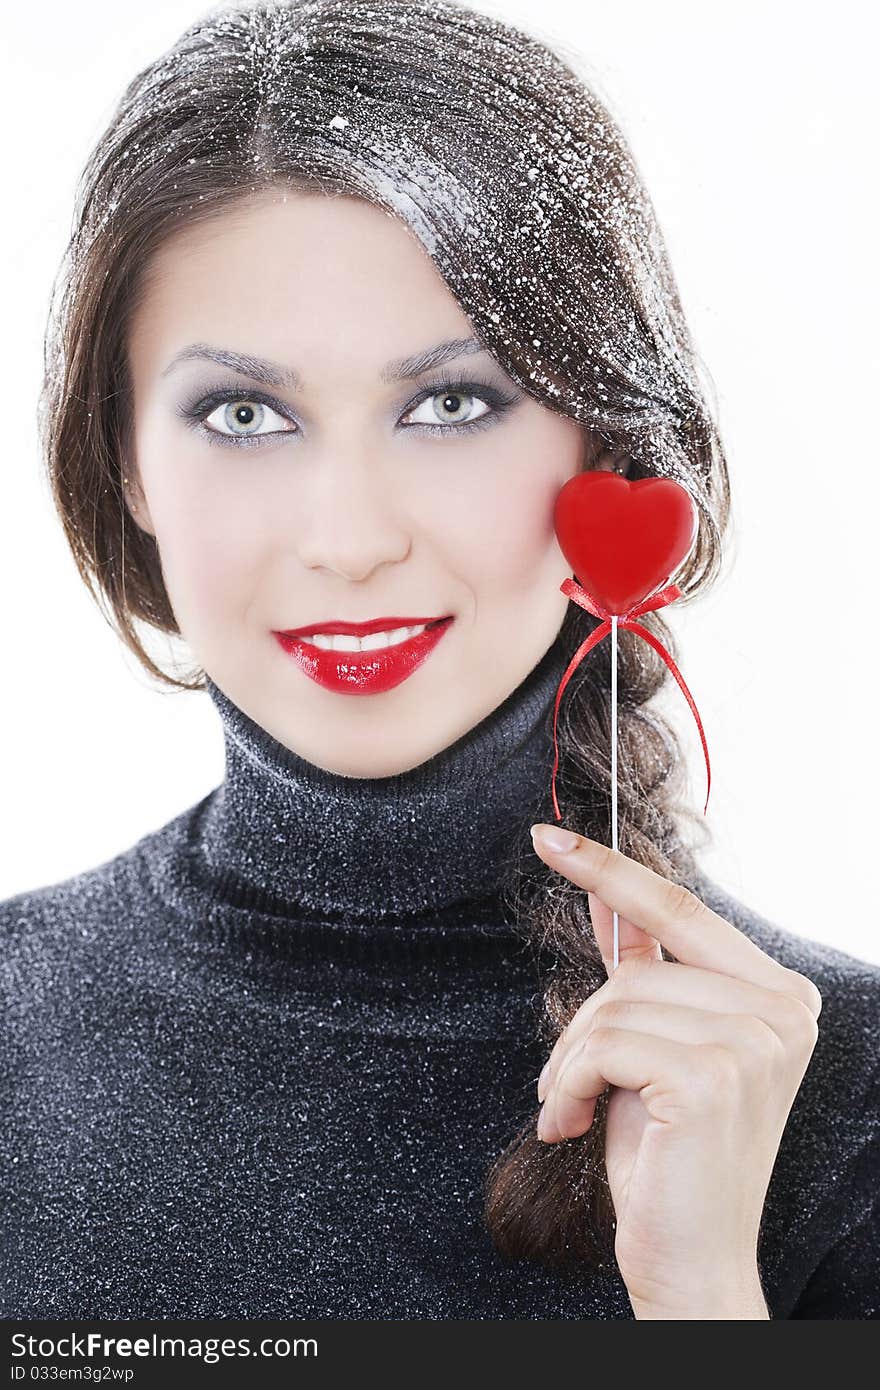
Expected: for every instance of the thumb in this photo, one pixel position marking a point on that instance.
(632, 941)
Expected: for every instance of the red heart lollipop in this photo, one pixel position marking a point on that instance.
(623, 539)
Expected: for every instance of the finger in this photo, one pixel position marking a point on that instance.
(673, 915)
(680, 1076)
(632, 941)
(670, 982)
(757, 1046)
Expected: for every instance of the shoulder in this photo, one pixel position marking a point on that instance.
(82, 960)
(95, 905)
(850, 987)
(830, 1154)
(39, 922)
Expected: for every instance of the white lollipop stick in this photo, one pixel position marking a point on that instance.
(616, 938)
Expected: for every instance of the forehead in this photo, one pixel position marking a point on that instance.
(295, 276)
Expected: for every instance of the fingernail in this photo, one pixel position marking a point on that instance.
(553, 837)
(542, 1081)
(540, 1122)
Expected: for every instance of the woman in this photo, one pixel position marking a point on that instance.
(353, 290)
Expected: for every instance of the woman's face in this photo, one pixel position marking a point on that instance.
(327, 497)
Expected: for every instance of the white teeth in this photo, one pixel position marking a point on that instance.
(346, 642)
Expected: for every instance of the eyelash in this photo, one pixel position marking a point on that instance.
(195, 412)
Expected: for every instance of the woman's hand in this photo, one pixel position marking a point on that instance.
(706, 1056)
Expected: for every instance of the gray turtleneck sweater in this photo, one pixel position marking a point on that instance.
(257, 1065)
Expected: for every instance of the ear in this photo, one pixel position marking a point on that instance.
(601, 455)
(136, 502)
(612, 461)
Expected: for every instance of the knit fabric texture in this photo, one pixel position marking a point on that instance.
(257, 1065)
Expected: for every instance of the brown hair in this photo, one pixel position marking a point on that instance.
(521, 187)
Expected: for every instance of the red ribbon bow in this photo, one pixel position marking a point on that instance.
(579, 595)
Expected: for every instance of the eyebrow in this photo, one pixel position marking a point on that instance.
(272, 374)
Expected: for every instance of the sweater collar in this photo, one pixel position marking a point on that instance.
(283, 835)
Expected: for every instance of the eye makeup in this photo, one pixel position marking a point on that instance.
(195, 410)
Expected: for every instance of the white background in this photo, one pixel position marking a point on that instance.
(754, 128)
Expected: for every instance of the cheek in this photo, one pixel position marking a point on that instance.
(209, 553)
(502, 530)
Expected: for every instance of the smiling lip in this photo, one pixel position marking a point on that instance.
(367, 672)
(340, 629)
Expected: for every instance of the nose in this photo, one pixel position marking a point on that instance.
(353, 521)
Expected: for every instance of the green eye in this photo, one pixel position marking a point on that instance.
(248, 420)
(243, 417)
(453, 407)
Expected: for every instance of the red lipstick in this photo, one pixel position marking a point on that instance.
(368, 672)
(334, 627)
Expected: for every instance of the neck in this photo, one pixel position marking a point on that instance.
(283, 835)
